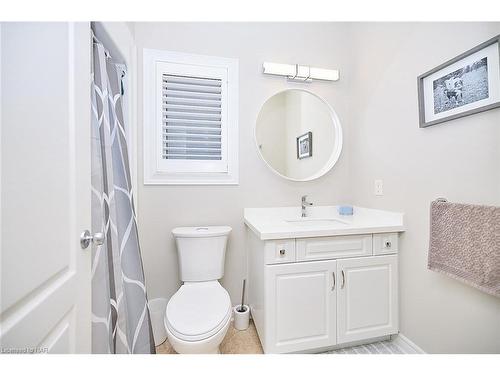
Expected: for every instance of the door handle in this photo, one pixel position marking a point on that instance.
(343, 280)
(333, 286)
(86, 238)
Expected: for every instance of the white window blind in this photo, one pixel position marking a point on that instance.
(192, 118)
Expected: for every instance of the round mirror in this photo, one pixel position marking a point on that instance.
(298, 135)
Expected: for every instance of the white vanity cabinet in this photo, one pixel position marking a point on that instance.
(320, 304)
(324, 283)
(299, 305)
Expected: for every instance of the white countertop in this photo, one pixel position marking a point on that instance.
(270, 223)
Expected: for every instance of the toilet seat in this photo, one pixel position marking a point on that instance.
(198, 311)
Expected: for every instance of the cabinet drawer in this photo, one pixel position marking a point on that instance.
(333, 247)
(279, 251)
(385, 243)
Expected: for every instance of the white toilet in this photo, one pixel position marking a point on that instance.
(199, 313)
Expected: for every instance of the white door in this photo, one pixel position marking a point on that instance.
(300, 306)
(367, 297)
(45, 183)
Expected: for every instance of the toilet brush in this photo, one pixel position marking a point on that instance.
(241, 312)
(242, 307)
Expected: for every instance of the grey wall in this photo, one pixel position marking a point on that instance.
(376, 100)
(459, 160)
(162, 208)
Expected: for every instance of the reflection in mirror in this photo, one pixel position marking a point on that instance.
(298, 135)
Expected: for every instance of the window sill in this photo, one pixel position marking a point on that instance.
(164, 178)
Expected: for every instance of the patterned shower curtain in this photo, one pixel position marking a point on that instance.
(120, 314)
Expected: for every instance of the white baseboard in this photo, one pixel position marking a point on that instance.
(409, 346)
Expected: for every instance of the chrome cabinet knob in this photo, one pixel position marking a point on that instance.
(388, 244)
(282, 252)
(86, 238)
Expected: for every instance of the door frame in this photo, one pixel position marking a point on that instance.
(80, 43)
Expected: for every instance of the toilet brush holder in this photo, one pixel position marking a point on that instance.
(241, 317)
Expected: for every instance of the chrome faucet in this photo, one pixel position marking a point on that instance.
(304, 205)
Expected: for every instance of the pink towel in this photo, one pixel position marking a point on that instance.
(465, 244)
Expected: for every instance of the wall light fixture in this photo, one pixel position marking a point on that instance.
(302, 73)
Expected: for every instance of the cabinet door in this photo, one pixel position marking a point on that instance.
(300, 306)
(367, 295)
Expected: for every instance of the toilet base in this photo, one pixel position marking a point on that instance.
(207, 346)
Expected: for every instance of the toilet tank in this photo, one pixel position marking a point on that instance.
(201, 252)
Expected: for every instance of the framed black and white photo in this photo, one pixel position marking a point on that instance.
(304, 146)
(462, 86)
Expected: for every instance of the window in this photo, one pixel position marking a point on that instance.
(190, 119)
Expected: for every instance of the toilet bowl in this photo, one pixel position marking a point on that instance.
(199, 313)
(197, 318)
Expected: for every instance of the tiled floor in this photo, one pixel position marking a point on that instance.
(247, 342)
(381, 347)
(235, 342)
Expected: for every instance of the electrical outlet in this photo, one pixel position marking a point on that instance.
(379, 187)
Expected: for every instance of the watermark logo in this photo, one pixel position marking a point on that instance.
(24, 350)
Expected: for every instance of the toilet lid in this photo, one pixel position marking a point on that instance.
(198, 310)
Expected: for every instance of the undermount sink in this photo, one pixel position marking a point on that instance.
(315, 221)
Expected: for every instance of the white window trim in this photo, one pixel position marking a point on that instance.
(153, 174)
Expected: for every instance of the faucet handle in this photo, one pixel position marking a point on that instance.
(304, 202)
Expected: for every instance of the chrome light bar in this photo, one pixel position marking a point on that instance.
(302, 73)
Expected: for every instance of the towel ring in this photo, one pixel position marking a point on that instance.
(441, 200)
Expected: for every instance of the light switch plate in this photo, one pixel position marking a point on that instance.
(379, 187)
